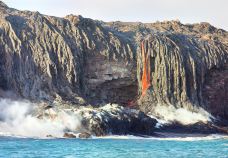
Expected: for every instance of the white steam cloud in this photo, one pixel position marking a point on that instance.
(169, 114)
(16, 119)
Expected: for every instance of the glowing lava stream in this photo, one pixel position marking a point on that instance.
(146, 70)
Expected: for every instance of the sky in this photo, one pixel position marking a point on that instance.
(187, 11)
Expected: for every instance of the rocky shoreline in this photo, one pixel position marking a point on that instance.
(108, 119)
(23, 118)
(113, 119)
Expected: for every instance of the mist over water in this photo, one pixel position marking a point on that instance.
(16, 118)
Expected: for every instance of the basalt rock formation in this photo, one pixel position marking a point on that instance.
(108, 119)
(179, 67)
(83, 61)
(45, 57)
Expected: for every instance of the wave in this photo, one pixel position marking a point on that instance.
(127, 137)
(130, 137)
(192, 138)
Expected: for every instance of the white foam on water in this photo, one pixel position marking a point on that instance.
(192, 138)
(16, 119)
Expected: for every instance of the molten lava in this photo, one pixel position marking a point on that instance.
(145, 81)
(146, 70)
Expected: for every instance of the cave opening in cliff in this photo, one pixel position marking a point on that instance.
(121, 91)
(110, 81)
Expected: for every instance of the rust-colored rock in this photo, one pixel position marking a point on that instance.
(84, 135)
(69, 135)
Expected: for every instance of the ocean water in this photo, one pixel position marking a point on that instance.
(114, 147)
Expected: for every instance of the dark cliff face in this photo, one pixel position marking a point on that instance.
(179, 68)
(215, 91)
(66, 59)
(46, 57)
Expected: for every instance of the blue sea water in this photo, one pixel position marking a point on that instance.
(112, 148)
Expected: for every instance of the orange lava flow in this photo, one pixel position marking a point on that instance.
(146, 71)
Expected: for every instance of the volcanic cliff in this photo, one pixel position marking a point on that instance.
(81, 61)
